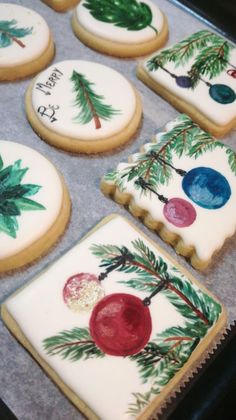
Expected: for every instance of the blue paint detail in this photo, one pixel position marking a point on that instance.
(222, 94)
(184, 81)
(206, 187)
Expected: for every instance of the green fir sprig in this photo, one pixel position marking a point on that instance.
(150, 272)
(155, 165)
(73, 345)
(131, 15)
(9, 33)
(90, 103)
(211, 53)
(14, 196)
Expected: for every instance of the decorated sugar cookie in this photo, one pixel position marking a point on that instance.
(132, 344)
(198, 76)
(61, 5)
(82, 106)
(34, 205)
(26, 44)
(183, 185)
(119, 27)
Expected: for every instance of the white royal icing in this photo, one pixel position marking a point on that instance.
(32, 224)
(35, 42)
(115, 33)
(220, 114)
(105, 384)
(211, 227)
(53, 88)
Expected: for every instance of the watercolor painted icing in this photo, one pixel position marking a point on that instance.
(184, 180)
(139, 339)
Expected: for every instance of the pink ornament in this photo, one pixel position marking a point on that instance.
(82, 291)
(179, 212)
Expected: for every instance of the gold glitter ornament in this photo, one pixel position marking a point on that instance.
(82, 291)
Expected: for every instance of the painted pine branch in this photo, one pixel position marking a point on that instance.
(73, 345)
(90, 103)
(190, 303)
(9, 33)
(182, 52)
(131, 15)
(211, 61)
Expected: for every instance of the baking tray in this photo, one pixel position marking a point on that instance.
(24, 386)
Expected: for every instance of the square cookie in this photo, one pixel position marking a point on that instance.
(116, 323)
(182, 185)
(198, 77)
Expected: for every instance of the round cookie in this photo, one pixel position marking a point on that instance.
(120, 28)
(26, 44)
(61, 5)
(34, 205)
(81, 106)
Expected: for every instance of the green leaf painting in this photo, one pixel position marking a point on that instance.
(167, 351)
(9, 33)
(90, 103)
(155, 165)
(211, 55)
(132, 15)
(14, 196)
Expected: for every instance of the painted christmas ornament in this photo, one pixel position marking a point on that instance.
(120, 324)
(206, 187)
(183, 81)
(177, 211)
(82, 291)
(222, 94)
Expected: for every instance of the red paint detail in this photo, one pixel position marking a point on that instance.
(179, 212)
(232, 73)
(120, 324)
(73, 285)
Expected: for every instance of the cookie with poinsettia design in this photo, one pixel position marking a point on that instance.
(198, 77)
(81, 106)
(61, 5)
(116, 315)
(119, 27)
(34, 205)
(26, 43)
(182, 185)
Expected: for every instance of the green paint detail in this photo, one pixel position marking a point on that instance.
(91, 104)
(14, 196)
(168, 351)
(149, 270)
(73, 345)
(9, 33)
(131, 15)
(211, 56)
(185, 138)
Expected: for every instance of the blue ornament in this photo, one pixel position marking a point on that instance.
(184, 81)
(206, 187)
(222, 94)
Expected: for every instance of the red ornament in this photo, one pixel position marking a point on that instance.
(232, 73)
(82, 291)
(120, 324)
